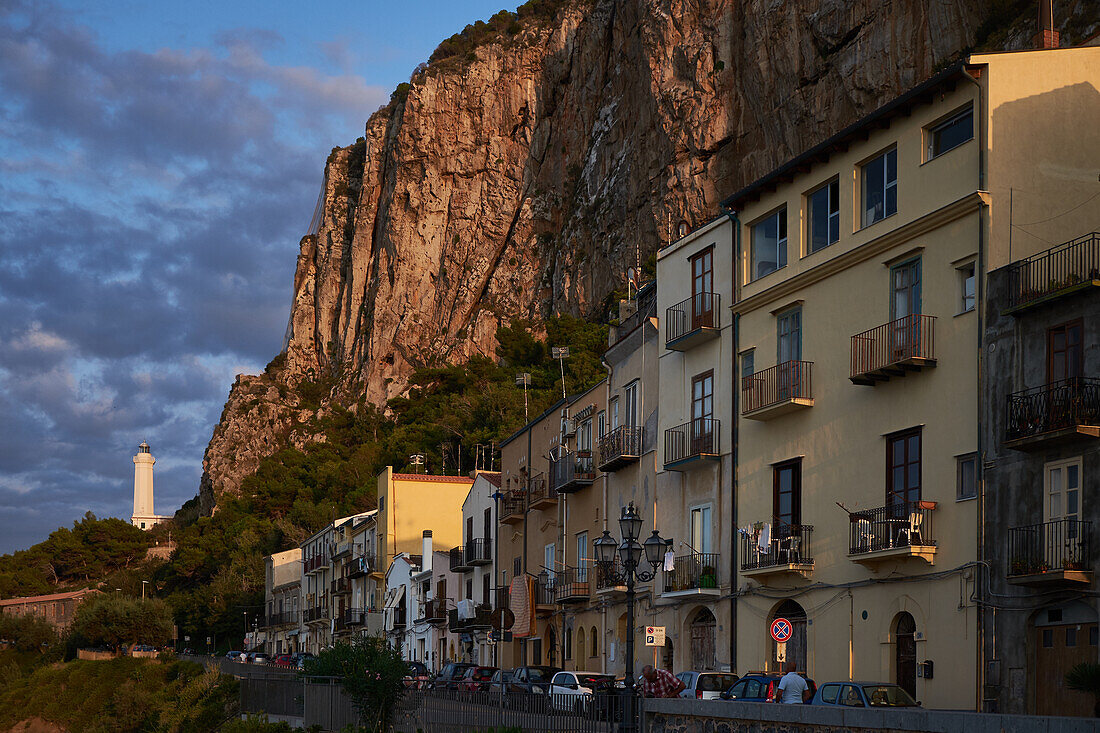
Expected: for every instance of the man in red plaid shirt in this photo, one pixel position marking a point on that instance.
(659, 683)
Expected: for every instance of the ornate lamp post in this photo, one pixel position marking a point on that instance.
(630, 555)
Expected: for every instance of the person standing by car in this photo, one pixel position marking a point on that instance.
(792, 688)
(659, 683)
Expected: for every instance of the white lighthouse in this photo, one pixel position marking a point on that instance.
(143, 516)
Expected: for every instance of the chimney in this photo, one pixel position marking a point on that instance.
(426, 549)
(1048, 36)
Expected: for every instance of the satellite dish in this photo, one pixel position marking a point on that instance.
(502, 619)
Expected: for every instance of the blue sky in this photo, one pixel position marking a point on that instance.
(159, 162)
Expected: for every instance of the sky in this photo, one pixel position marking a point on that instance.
(159, 162)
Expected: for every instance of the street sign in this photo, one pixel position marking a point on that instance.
(654, 635)
(782, 630)
(781, 651)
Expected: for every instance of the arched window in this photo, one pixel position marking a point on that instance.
(580, 644)
(567, 652)
(594, 640)
(905, 652)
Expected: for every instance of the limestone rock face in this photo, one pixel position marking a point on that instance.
(524, 179)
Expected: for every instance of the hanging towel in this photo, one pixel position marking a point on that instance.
(670, 561)
(466, 609)
(765, 537)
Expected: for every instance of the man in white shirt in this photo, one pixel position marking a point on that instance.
(792, 688)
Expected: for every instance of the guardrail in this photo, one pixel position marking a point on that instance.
(1063, 404)
(1058, 268)
(886, 348)
(791, 380)
(699, 311)
(1061, 544)
(693, 439)
(622, 445)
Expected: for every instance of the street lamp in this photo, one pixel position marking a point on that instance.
(143, 584)
(630, 555)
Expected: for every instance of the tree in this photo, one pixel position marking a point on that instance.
(372, 674)
(1085, 677)
(28, 633)
(121, 621)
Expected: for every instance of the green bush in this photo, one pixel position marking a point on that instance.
(372, 675)
(116, 622)
(26, 633)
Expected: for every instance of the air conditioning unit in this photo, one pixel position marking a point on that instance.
(568, 427)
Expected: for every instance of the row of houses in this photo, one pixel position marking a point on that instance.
(864, 398)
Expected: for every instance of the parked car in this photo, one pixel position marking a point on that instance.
(234, 656)
(477, 679)
(449, 677)
(417, 676)
(533, 678)
(759, 688)
(706, 685)
(143, 648)
(575, 690)
(283, 660)
(259, 658)
(864, 694)
(499, 682)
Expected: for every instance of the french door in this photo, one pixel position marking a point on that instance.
(702, 286)
(702, 412)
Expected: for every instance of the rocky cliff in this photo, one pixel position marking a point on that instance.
(523, 174)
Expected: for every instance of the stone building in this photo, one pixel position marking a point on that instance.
(57, 609)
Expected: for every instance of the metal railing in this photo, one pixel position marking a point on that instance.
(272, 695)
(356, 616)
(479, 551)
(434, 611)
(622, 444)
(647, 307)
(360, 565)
(399, 617)
(316, 613)
(541, 490)
(1055, 269)
(513, 504)
(482, 619)
(282, 618)
(459, 711)
(699, 311)
(901, 340)
(315, 563)
(1055, 406)
(542, 591)
(457, 559)
(696, 438)
(571, 471)
(341, 585)
(698, 570)
(789, 544)
(1061, 544)
(606, 577)
(570, 584)
(898, 525)
(790, 380)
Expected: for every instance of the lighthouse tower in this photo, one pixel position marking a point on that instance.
(143, 516)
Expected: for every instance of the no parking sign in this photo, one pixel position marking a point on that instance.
(782, 630)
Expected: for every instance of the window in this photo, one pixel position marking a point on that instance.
(1063, 492)
(700, 530)
(1094, 634)
(561, 679)
(702, 412)
(824, 216)
(905, 289)
(594, 641)
(769, 244)
(630, 393)
(469, 529)
(903, 467)
(966, 481)
(582, 557)
(601, 422)
(789, 335)
(966, 288)
(486, 591)
(517, 567)
(787, 496)
(702, 288)
(487, 521)
(880, 187)
(829, 693)
(549, 559)
(614, 413)
(1064, 354)
(748, 366)
(1071, 636)
(584, 436)
(950, 133)
(470, 589)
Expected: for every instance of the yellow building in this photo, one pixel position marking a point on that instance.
(860, 276)
(409, 503)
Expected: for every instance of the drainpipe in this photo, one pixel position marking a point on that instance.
(736, 244)
(979, 282)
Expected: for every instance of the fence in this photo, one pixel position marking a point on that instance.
(790, 380)
(910, 338)
(1056, 269)
(1061, 544)
(1063, 404)
(273, 696)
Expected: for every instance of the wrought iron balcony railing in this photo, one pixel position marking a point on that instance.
(608, 579)
(570, 585)
(479, 551)
(896, 526)
(542, 494)
(696, 571)
(621, 446)
(779, 385)
(1062, 405)
(686, 321)
(893, 349)
(457, 557)
(1056, 271)
(1058, 545)
(696, 439)
(572, 471)
(481, 619)
(789, 544)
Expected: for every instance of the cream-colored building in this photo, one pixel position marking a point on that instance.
(860, 275)
(695, 457)
(282, 601)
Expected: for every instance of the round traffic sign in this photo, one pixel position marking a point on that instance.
(782, 630)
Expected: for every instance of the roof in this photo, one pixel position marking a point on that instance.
(882, 114)
(46, 598)
(492, 477)
(432, 477)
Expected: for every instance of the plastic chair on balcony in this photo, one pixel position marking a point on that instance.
(863, 531)
(912, 531)
(791, 546)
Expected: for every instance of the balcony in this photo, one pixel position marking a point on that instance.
(481, 619)
(542, 592)
(570, 586)
(692, 322)
(458, 562)
(479, 551)
(513, 507)
(542, 495)
(773, 392)
(692, 443)
(607, 582)
(695, 574)
(1050, 554)
(316, 614)
(315, 563)
(787, 552)
(340, 624)
(283, 618)
(1053, 414)
(360, 566)
(399, 618)
(621, 447)
(1069, 268)
(433, 611)
(893, 532)
(572, 472)
(343, 549)
(893, 349)
(341, 585)
(355, 617)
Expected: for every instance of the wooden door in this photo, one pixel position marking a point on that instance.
(1057, 650)
(905, 654)
(702, 641)
(702, 286)
(1065, 358)
(702, 412)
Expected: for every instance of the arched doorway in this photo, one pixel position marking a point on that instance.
(667, 656)
(905, 652)
(795, 649)
(702, 631)
(551, 646)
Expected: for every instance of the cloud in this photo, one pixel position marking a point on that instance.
(151, 204)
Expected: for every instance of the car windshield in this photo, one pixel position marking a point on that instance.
(483, 674)
(715, 682)
(534, 674)
(888, 696)
(595, 680)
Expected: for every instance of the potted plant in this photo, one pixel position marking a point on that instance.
(1085, 677)
(709, 577)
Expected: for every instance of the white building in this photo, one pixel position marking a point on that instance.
(400, 601)
(144, 516)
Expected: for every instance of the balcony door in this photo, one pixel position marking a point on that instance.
(905, 296)
(701, 530)
(789, 340)
(549, 558)
(702, 285)
(1062, 482)
(1065, 358)
(702, 412)
(903, 469)
(787, 497)
(582, 557)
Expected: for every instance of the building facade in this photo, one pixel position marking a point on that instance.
(282, 601)
(476, 581)
(57, 609)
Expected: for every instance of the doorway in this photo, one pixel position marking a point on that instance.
(905, 653)
(795, 649)
(702, 640)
